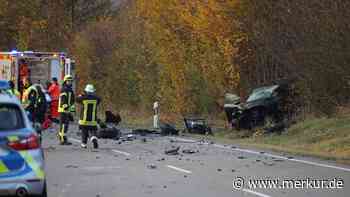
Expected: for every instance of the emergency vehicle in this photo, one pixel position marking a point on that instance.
(38, 67)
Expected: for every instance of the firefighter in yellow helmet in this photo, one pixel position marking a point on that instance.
(88, 118)
(66, 108)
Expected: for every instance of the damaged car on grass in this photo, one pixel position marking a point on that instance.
(261, 110)
(197, 126)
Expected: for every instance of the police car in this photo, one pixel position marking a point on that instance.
(21, 156)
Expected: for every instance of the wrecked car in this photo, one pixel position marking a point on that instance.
(231, 105)
(197, 126)
(262, 109)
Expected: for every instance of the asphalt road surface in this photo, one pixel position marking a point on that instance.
(141, 168)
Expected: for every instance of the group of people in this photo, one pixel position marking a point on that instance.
(62, 107)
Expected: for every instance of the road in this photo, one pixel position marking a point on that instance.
(141, 168)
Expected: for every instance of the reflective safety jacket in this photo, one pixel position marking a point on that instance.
(66, 100)
(88, 115)
(15, 93)
(29, 98)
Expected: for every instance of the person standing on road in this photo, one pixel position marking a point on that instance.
(54, 91)
(24, 86)
(66, 108)
(88, 118)
(29, 100)
(34, 102)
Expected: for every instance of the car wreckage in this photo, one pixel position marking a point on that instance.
(261, 109)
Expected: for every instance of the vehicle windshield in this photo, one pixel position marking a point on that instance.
(261, 93)
(11, 118)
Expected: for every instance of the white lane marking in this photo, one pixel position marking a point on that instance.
(75, 140)
(116, 151)
(286, 158)
(183, 139)
(179, 169)
(255, 193)
(121, 152)
(280, 157)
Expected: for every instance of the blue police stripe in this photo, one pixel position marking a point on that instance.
(13, 161)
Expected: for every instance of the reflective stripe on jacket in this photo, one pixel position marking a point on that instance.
(66, 101)
(88, 115)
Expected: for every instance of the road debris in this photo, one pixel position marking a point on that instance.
(162, 159)
(173, 151)
(151, 166)
(241, 157)
(268, 164)
(189, 151)
(71, 166)
(144, 132)
(168, 129)
(219, 169)
(197, 125)
(130, 137)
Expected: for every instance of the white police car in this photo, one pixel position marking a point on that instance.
(21, 156)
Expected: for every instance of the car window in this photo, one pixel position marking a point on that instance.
(11, 117)
(259, 95)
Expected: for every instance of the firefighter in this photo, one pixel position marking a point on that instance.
(24, 86)
(66, 108)
(34, 102)
(54, 91)
(88, 119)
(29, 99)
(13, 90)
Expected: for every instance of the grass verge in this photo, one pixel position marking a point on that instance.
(326, 138)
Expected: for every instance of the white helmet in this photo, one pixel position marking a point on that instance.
(90, 88)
